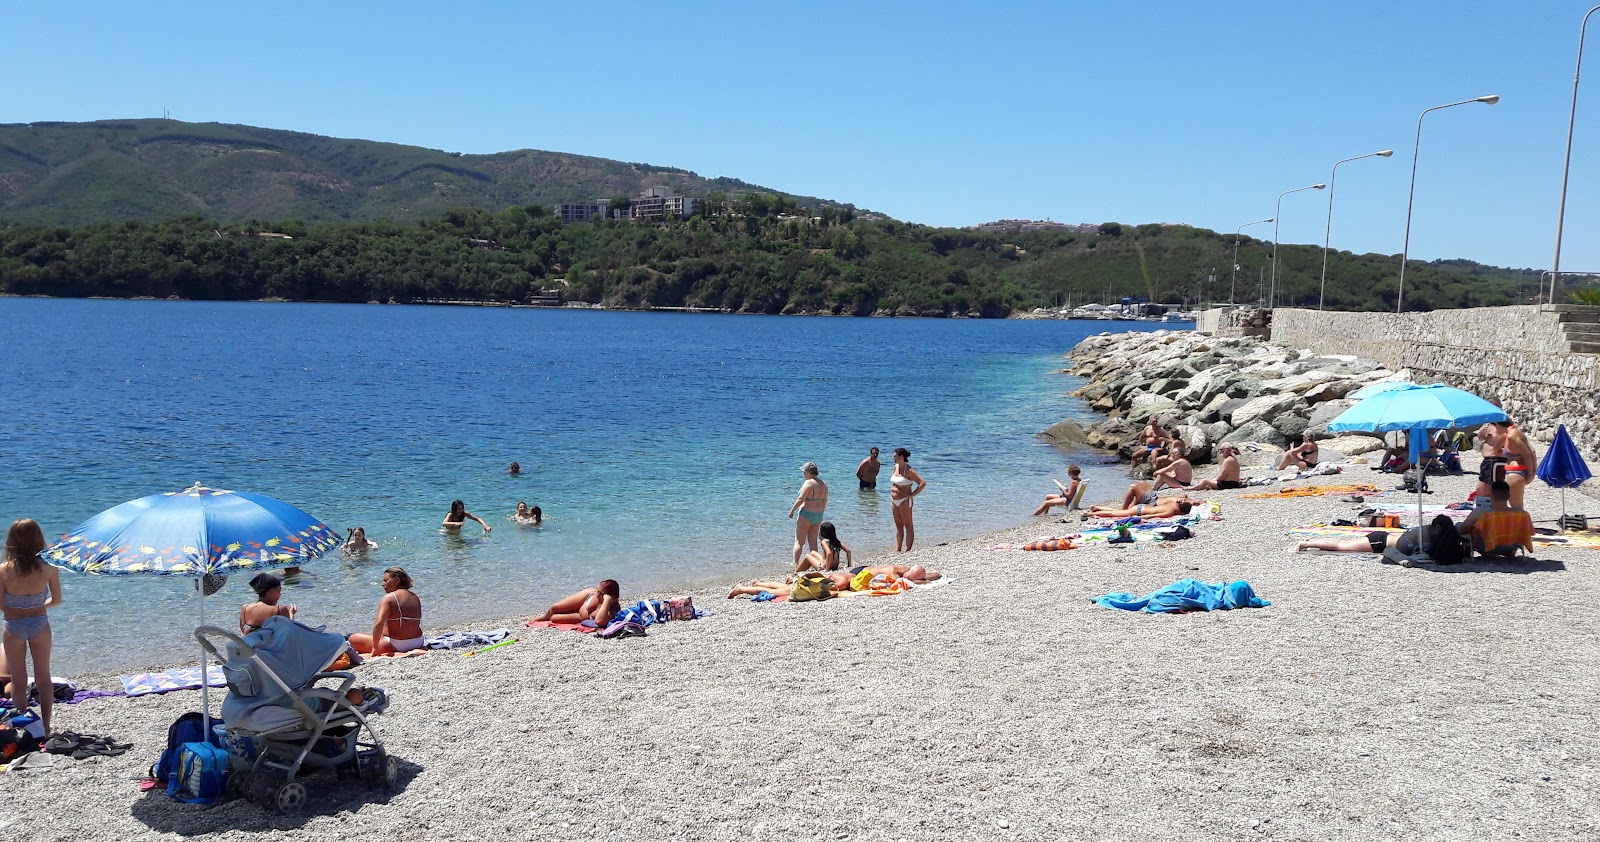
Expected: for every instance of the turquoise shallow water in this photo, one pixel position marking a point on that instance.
(663, 448)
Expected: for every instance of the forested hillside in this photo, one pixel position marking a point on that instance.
(151, 170)
(756, 254)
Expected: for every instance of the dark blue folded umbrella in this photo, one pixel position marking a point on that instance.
(1562, 465)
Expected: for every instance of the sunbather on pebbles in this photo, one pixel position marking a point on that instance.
(599, 603)
(269, 589)
(1444, 542)
(1228, 478)
(399, 625)
(826, 557)
(1170, 507)
(1068, 492)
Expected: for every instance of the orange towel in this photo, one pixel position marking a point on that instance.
(1314, 491)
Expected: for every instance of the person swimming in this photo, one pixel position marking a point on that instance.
(357, 542)
(458, 516)
(528, 516)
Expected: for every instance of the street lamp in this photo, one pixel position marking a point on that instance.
(1405, 250)
(1235, 286)
(1566, 164)
(1327, 232)
(1272, 296)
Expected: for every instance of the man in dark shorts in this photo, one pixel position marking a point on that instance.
(1228, 477)
(867, 471)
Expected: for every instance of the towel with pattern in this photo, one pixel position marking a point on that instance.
(177, 678)
(1314, 491)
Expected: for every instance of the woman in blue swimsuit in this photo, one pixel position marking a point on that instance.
(811, 505)
(29, 588)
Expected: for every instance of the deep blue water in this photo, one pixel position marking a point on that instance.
(663, 448)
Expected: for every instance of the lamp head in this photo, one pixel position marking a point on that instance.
(1491, 99)
(1318, 186)
(1385, 153)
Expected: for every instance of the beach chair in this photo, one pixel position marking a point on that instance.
(285, 714)
(1077, 496)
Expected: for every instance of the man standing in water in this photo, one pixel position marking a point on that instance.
(867, 471)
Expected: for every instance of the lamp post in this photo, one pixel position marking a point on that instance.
(1272, 295)
(1234, 287)
(1405, 250)
(1327, 232)
(1566, 164)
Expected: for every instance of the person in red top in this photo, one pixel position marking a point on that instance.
(1499, 530)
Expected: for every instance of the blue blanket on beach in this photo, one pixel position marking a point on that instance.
(1187, 595)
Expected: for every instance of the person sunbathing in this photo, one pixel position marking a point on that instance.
(1170, 507)
(914, 573)
(1152, 440)
(1176, 472)
(1068, 492)
(826, 556)
(1229, 477)
(1302, 457)
(398, 627)
(1443, 542)
(757, 587)
(269, 589)
(1499, 530)
(599, 604)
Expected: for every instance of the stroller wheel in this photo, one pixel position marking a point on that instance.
(291, 797)
(378, 770)
(258, 788)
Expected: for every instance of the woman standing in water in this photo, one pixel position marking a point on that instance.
(811, 503)
(458, 516)
(905, 484)
(29, 588)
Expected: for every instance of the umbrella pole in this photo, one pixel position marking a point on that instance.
(1563, 523)
(205, 667)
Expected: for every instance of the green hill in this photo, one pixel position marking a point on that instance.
(150, 170)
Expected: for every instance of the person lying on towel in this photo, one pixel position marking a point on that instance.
(1170, 507)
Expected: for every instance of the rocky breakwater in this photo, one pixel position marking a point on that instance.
(1215, 390)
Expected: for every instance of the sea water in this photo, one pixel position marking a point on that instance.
(665, 449)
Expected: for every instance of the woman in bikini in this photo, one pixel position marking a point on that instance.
(826, 558)
(599, 603)
(1444, 542)
(810, 504)
(269, 589)
(1521, 460)
(458, 516)
(905, 484)
(29, 588)
(356, 543)
(399, 625)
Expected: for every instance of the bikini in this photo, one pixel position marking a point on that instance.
(815, 517)
(903, 483)
(27, 627)
(407, 644)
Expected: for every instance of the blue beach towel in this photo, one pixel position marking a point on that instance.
(1186, 595)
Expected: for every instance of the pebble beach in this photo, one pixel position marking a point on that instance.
(1369, 701)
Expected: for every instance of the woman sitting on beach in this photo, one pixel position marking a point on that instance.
(526, 516)
(1302, 457)
(399, 624)
(599, 604)
(357, 542)
(905, 484)
(827, 556)
(1443, 543)
(29, 588)
(1068, 492)
(269, 589)
(811, 503)
(458, 516)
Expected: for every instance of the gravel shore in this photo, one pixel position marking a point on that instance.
(1368, 702)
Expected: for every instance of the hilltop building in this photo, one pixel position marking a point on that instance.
(1036, 225)
(657, 204)
(582, 211)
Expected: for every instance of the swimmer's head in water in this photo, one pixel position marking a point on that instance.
(809, 469)
(515, 468)
(609, 587)
(538, 513)
(522, 508)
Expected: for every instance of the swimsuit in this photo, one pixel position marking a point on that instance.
(868, 486)
(410, 643)
(406, 645)
(903, 483)
(813, 518)
(1149, 498)
(1378, 540)
(855, 571)
(1225, 484)
(27, 627)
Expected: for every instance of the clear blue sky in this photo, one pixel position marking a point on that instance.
(940, 113)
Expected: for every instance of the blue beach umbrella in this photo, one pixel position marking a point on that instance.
(1563, 467)
(1417, 410)
(1371, 389)
(200, 533)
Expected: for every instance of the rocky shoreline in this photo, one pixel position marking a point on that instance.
(1215, 390)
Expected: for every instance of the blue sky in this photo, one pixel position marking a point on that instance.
(940, 113)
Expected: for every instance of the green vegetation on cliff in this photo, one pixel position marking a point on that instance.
(754, 254)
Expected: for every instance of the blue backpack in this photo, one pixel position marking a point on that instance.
(188, 728)
(200, 773)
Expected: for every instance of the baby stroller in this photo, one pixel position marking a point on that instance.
(284, 714)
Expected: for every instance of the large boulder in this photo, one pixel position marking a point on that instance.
(1145, 405)
(1257, 431)
(1198, 443)
(1330, 390)
(1066, 431)
(1290, 424)
(1243, 387)
(1353, 445)
(1266, 406)
(1226, 409)
(1317, 425)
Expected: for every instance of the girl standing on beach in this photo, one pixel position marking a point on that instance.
(458, 516)
(29, 588)
(905, 484)
(811, 503)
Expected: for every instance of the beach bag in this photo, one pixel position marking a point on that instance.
(200, 773)
(810, 586)
(681, 608)
(621, 628)
(188, 728)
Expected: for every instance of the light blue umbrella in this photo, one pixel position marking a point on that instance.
(201, 533)
(1563, 467)
(1417, 410)
(1371, 389)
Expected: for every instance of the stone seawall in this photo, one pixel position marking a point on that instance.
(1518, 356)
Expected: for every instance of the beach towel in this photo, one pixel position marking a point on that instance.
(462, 640)
(585, 627)
(1314, 491)
(1186, 595)
(177, 678)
